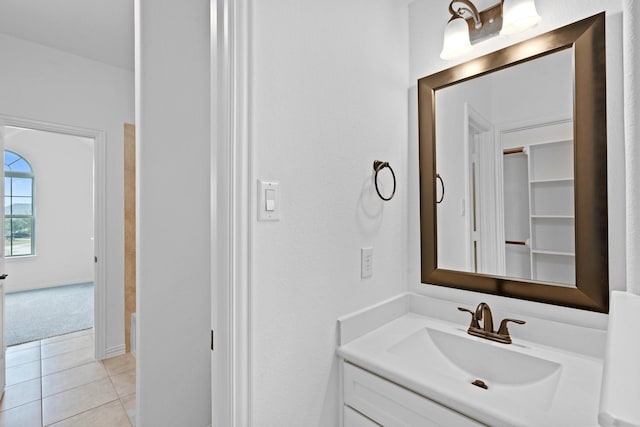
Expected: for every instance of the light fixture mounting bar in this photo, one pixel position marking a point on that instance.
(462, 11)
(482, 24)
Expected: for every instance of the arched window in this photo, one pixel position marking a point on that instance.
(18, 206)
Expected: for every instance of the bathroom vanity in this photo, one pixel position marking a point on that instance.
(410, 362)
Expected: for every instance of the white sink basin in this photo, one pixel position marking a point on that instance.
(529, 383)
(505, 369)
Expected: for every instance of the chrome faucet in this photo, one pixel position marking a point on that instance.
(483, 311)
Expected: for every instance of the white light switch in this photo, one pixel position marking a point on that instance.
(268, 201)
(271, 205)
(366, 263)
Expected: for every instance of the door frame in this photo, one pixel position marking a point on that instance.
(99, 217)
(491, 223)
(231, 214)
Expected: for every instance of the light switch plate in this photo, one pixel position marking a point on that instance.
(268, 201)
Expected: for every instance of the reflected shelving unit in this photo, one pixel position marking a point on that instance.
(539, 204)
(551, 218)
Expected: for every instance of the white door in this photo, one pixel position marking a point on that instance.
(2, 273)
(2, 342)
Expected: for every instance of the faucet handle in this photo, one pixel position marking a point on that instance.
(474, 319)
(503, 331)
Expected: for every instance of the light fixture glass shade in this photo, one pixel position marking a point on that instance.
(456, 39)
(518, 15)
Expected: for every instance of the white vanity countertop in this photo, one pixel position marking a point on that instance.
(396, 351)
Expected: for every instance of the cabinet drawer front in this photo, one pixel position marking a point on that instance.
(356, 419)
(392, 405)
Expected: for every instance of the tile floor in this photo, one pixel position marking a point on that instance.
(57, 382)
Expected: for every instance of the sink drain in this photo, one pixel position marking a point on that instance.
(480, 383)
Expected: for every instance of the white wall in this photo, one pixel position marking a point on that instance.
(173, 213)
(63, 205)
(543, 89)
(328, 83)
(427, 25)
(44, 84)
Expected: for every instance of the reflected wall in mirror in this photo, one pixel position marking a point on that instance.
(518, 138)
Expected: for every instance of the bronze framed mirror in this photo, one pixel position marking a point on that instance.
(518, 138)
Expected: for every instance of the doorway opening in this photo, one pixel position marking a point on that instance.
(48, 234)
(53, 231)
(483, 219)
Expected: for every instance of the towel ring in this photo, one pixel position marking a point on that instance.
(378, 166)
(442, 184)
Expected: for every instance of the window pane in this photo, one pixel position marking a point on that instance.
(22, 187)
(20, 166)
(21, 236)
(9, 158)
(15, 163)
(7, 237)
(21, 206)
(18, 206)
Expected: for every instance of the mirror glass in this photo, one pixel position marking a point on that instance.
(505, 153)
(513, 170)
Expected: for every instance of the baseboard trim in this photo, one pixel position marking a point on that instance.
(115, 351)
(41, 286)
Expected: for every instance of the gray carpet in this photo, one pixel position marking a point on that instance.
(43, 313)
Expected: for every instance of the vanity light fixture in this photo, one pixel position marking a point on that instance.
(468, 25)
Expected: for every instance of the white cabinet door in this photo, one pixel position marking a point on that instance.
(391, 405)
(356, 419)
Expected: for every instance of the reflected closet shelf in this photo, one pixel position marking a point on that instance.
(545, 252)
(546, 181)
(552, 217)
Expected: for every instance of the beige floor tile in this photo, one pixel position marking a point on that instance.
(77, 400)
(74, 377)
(109, 415)
(125, 383)
(16, 358)
(21, 373)
(120, 364)
(28, 415)
(129, 403)
(24, 346)
(68, 336)
(19, 394)
(65, 346)
(67, 360)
